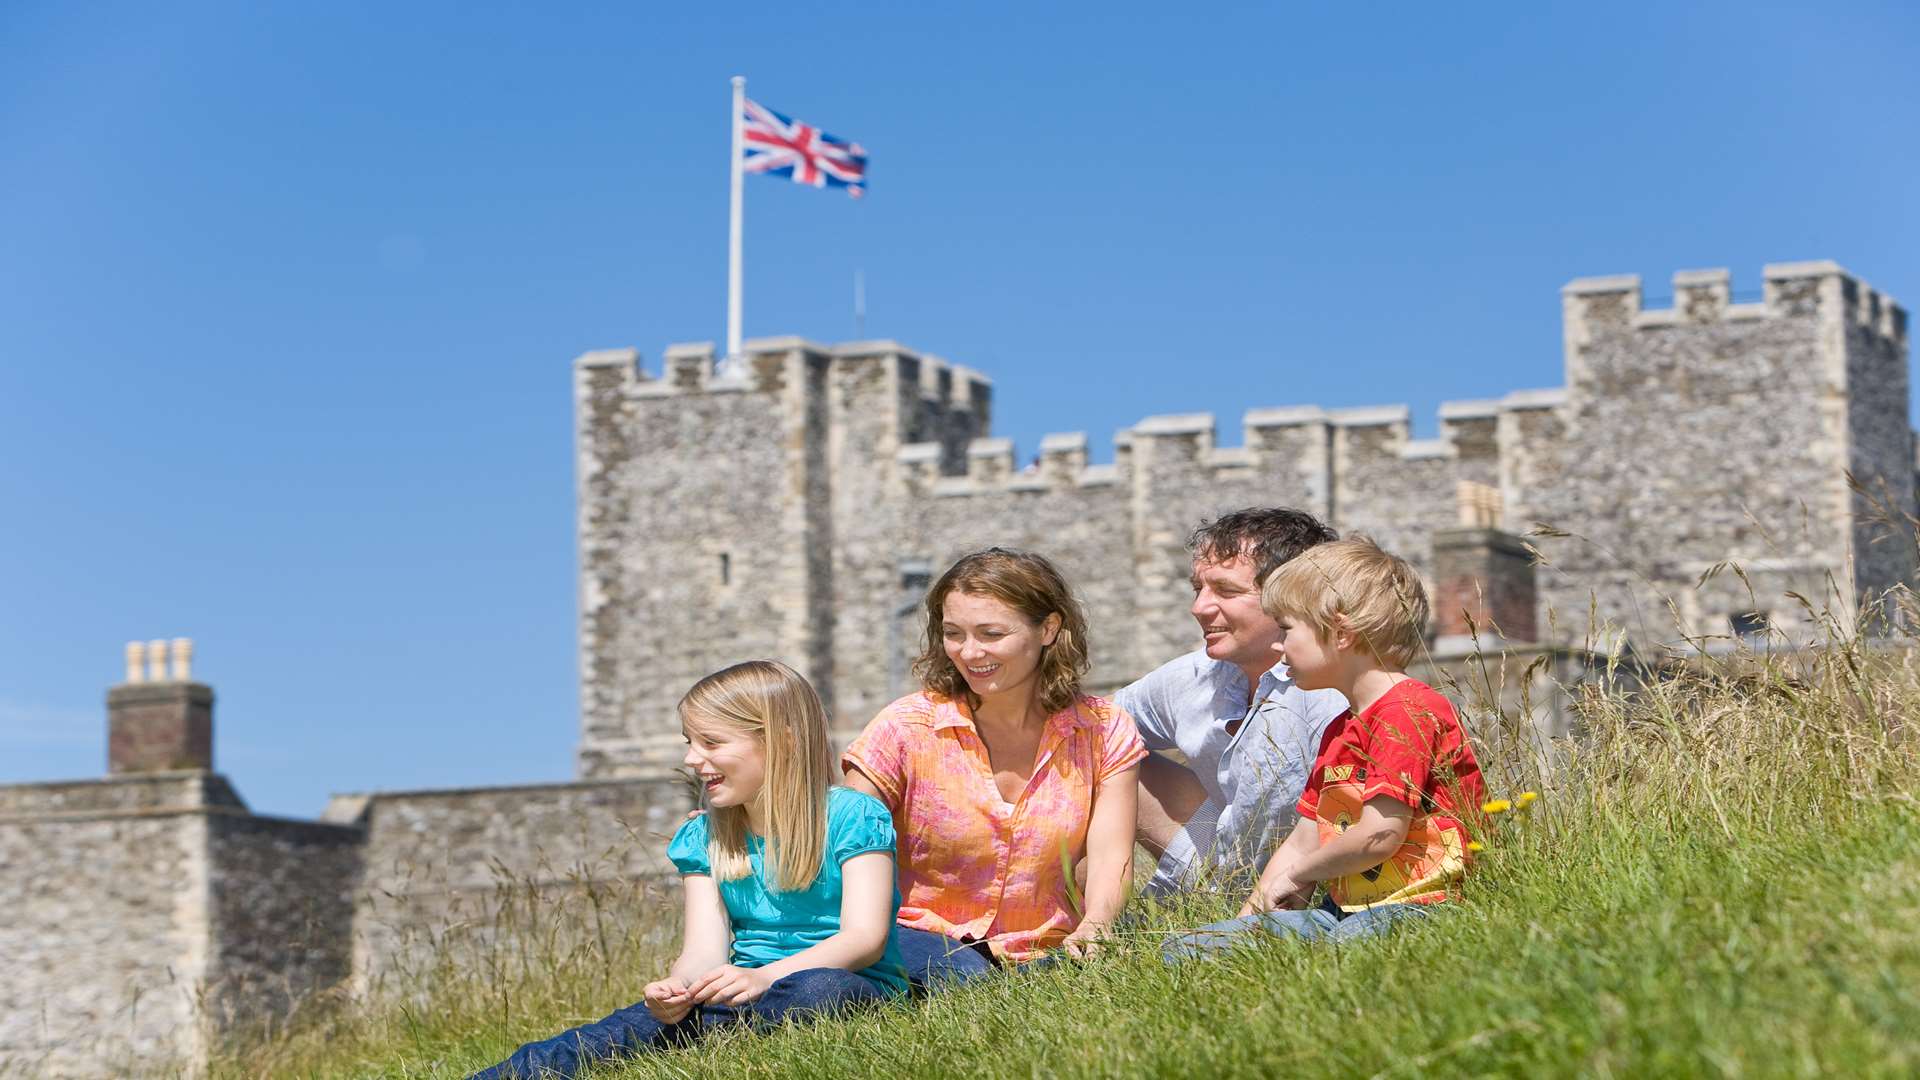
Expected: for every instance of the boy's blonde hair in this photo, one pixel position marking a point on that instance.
(769, 701)
(1353, 585)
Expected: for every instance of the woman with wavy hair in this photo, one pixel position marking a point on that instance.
(1002, 776)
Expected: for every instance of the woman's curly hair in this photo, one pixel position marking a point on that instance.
(1028, 583)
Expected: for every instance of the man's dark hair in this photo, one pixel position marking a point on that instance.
(1268, 535)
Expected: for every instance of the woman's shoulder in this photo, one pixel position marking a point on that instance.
(1096, 711)
(921, 708)
(844, 802)
(1103, 720)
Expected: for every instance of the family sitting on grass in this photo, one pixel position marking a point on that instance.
(1311, 759)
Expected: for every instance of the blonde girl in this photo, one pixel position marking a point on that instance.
(790, 895)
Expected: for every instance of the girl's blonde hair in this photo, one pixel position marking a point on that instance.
(770, 702)
(1353, 585)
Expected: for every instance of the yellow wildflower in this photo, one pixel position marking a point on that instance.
(1527, 797)
(1495, 806)
(1475, 845)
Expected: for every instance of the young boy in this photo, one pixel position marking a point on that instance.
(1381, 818)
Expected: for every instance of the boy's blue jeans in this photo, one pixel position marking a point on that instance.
(1323, 923)
(633, 1030)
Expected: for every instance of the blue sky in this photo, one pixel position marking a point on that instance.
(288, 292)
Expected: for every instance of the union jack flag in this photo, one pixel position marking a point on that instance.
(775, 145)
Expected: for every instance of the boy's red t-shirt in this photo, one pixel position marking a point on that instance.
(1408, 746)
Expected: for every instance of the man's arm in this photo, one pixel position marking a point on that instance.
(1170, 794)
(1302, 862)
(1151, 712)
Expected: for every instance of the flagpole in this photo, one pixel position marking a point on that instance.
(731, 363)
(859, 305)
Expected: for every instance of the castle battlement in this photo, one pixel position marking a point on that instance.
(693, 367)
(992, 465)
(1790, 290)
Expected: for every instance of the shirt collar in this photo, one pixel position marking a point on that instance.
(1274, 680)
(951, 713)
(1277, 677)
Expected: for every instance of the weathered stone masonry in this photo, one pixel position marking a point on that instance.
(150, 913)
(798, 511)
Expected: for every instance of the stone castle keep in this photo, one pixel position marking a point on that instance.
(800, 509)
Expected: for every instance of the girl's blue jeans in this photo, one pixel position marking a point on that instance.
(1323, 923)
(633, 1030)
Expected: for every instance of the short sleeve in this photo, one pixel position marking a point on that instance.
(1153, 722)
(880, 753)
(1122, 748)
(858, 823)
(1402, 741)
(688, 849)
(1308, 805)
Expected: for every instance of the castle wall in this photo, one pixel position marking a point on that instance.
(893, 416)
(105, 932)
(151, 915)
(1391, 487)
(464, 876)
(872, 395)
(603, 383)
(1881, 442)
(280, 914)
(1077, 516)
(1685, 442)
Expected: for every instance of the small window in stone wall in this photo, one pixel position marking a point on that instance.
(1750, 626)
(726, 568)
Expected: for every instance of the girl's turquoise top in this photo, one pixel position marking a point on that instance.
(769, 925)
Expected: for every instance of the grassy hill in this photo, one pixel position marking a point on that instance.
(1719, 877)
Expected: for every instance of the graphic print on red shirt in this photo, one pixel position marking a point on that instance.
(1408, 746)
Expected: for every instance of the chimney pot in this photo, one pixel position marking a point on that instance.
(156, 724)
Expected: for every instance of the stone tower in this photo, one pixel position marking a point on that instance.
(724, 519)
(1714, 431)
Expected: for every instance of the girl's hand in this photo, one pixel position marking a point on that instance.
(1086, 938)
(729, 985)
(668, 1000)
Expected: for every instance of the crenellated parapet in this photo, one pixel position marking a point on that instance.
(1597, 305)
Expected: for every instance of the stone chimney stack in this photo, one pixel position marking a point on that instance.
(1482, 576)
(159, 719)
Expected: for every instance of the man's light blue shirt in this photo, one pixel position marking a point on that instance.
(1253, 777)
